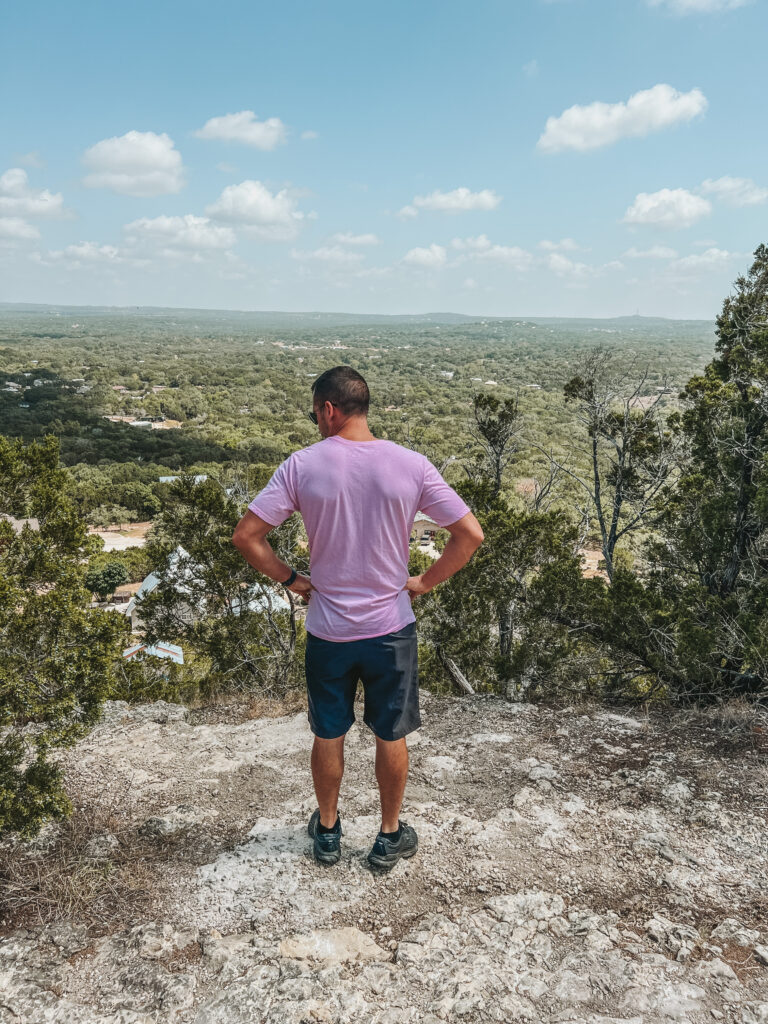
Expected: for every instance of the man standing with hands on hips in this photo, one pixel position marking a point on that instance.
(358, 496)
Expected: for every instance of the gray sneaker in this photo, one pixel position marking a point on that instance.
(387, 852)
(327, 845)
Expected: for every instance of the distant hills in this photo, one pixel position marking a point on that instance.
(277, 318)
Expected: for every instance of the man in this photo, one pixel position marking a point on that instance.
(358, 496)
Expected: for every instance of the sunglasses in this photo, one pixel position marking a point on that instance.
(313, 415)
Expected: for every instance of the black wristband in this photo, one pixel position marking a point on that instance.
(291, 578)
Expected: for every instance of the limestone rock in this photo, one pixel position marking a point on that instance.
(732, 930)
(333, 946)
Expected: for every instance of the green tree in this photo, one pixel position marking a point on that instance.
(630, 453)
(105, 579)
(212, 603)
(56, 655)
(712, 556)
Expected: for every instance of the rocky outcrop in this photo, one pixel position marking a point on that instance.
(584, 868)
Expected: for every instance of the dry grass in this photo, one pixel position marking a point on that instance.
(264, 706)
(242, 707)
(53, 878)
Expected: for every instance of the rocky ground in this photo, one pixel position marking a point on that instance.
(575, 865)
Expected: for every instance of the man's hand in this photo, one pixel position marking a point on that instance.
(415, 586)
(302, 586)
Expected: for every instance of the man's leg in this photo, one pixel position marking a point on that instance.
(327, 770)
(391, 775)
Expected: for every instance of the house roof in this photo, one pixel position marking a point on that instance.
(160, 650)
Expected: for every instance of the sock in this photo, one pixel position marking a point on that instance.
(323, 830)
(394, 836)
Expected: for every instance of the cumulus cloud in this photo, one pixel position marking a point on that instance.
(186, 232)
(250, 205)
(135, 164)
(434, 256)
(735, 191)
(697, 6)
(309, 134)
(600, 124)
(17, 199)
(459, 200)
(17, 228)
(82, 254)
(333, 254)
(481, 248)
(669, 208)
(564, 245)
(565, 267)
(575, 272)
(654, 252)
(710, 259)
(347, 238)
(245, 127)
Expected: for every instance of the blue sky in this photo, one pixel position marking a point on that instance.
(505, 157)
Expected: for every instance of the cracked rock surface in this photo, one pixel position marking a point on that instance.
(575, 867)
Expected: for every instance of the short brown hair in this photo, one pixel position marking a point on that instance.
(345, 387)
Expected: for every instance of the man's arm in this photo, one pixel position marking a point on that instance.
(250, 539)
(466, 537)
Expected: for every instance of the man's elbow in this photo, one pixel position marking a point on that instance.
(477, 536)
(471, 533)
(238, 537)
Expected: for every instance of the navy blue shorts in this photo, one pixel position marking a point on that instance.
(387, 667)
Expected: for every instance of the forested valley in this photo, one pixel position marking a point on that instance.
(618, 468)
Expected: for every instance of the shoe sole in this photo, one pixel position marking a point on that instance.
(390, 859)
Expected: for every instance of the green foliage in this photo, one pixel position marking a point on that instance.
(479, 618)
(710, 558)
(686, 617)
(146, 679)
(56, 655)
(212, 603)
(106, 578)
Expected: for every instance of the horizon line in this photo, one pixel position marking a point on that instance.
(325, 313)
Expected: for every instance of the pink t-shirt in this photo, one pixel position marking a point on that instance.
(358, 500)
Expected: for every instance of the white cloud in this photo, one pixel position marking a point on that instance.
(531, 69)
(654, 252)
(245, 127)
(309, 134)
(565, 267)
(17, 227)
(135, 164)
(669, 208)
(252, 206)
(187, 232)
(735, 191)
(479, 242)
(482, 248)
(458, 201)
(407, 212)
(710, 259)
(577, 273)
(347, 238)
(327, 254)
(434, 256)
(17, 199)
(600, 124)
(697, 6)
(511, 255)
(564, 245)
(82, 254)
